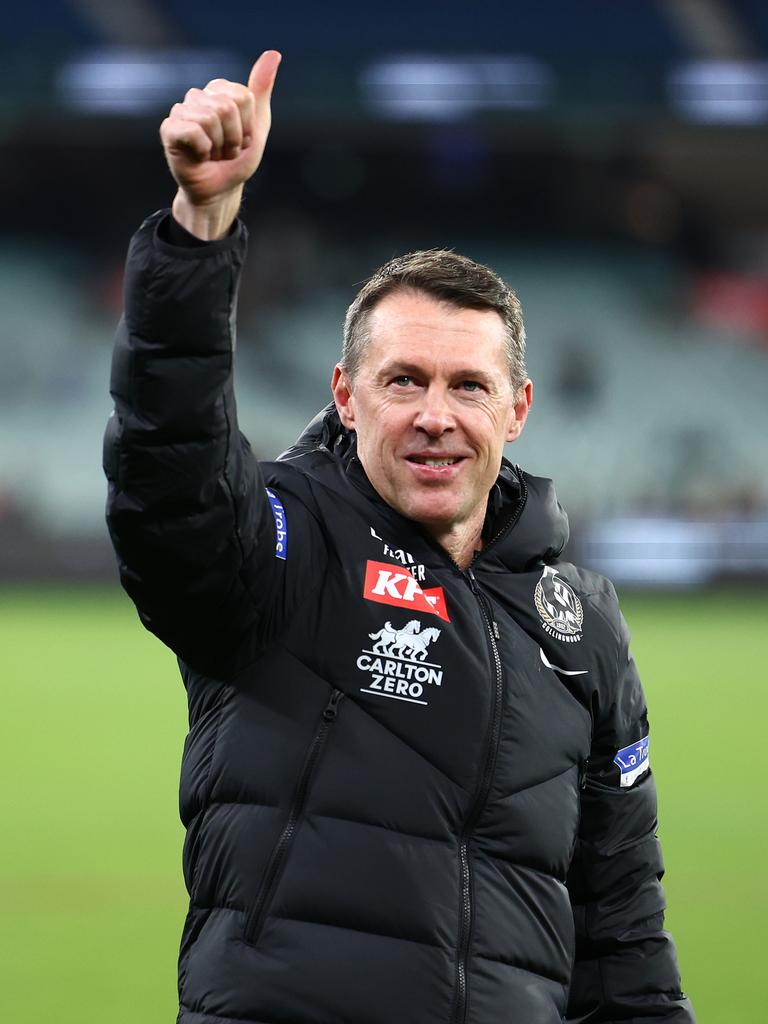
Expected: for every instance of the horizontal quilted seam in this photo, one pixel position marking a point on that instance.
(366, 931)
(525, 968)
(446, 840)
(243, 803)
(240, 1020)
(535, 785)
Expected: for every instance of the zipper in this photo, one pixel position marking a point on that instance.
(494, 732)
(276, 863)
(508, 525)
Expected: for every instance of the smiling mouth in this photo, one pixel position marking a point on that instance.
(435, 461)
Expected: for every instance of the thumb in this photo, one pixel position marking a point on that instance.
(263, 73)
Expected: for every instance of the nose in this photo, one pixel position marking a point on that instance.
(434, 416)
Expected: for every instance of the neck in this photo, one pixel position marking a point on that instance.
(460, 540)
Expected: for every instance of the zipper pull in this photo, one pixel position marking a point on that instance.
(583, 773)
(473, 586)
(332, 707)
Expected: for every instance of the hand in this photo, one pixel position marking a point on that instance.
(214, 141)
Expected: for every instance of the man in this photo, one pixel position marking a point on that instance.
(416, 785)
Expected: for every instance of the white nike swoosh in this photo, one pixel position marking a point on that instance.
(562, 671)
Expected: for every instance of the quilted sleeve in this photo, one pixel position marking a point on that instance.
(626, 968)
(194, 529)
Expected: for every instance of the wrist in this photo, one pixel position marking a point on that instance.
(210, 220)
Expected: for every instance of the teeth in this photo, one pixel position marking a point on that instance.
(436, 462)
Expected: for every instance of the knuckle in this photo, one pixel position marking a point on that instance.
(220, 94)
(207, 117)
(231, 92)
(218, 104)
(231, 111)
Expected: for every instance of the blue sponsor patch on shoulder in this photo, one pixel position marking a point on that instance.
(633, 761)
(281, 525)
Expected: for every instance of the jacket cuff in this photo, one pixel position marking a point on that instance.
(174, 240)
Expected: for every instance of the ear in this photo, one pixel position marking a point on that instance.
(342, 396)
(522, 407)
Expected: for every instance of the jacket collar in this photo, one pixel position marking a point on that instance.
(525, 524)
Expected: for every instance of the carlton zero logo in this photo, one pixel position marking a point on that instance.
(396, 662)
(389, 584)
(560, 609)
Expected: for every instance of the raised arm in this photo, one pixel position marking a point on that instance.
(188, 513)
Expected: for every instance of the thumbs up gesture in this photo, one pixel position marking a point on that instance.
(214, 141)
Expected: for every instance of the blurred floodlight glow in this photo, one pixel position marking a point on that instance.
(668, 552)
(132, 81)
(721, 91)
(434, 88)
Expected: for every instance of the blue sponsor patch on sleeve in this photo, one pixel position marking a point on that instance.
(281, 525)
(633, 761)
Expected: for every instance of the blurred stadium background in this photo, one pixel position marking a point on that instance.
(611, 160)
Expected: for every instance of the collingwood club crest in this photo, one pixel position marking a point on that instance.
(561, 613)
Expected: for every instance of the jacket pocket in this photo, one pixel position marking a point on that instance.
(276, 863)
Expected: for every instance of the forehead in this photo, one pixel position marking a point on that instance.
(416, 326)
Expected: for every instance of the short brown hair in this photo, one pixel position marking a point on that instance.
(448, 277)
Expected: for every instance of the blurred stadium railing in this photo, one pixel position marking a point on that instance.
(627, 206)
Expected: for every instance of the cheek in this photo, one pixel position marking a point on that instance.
(489, 428)
(379, 437)
(389, 423)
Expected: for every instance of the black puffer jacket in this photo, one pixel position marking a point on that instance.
(400, 785)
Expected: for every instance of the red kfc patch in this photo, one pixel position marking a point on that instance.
(392, 584)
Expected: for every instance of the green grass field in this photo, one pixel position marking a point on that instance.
(90, 862)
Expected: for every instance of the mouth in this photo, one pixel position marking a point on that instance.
(435, 467)
(435, 460)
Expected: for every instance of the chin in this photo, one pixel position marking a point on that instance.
(428, 515)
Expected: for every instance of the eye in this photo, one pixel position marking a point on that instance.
(403, 380)
(471, 385)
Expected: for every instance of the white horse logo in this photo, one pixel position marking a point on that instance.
(405, 641)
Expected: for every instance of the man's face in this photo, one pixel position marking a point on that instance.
(432, 404)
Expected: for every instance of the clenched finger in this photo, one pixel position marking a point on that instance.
(241, 94)
(211, 115)
(236, 106)
(227, 124)
(180, 134)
